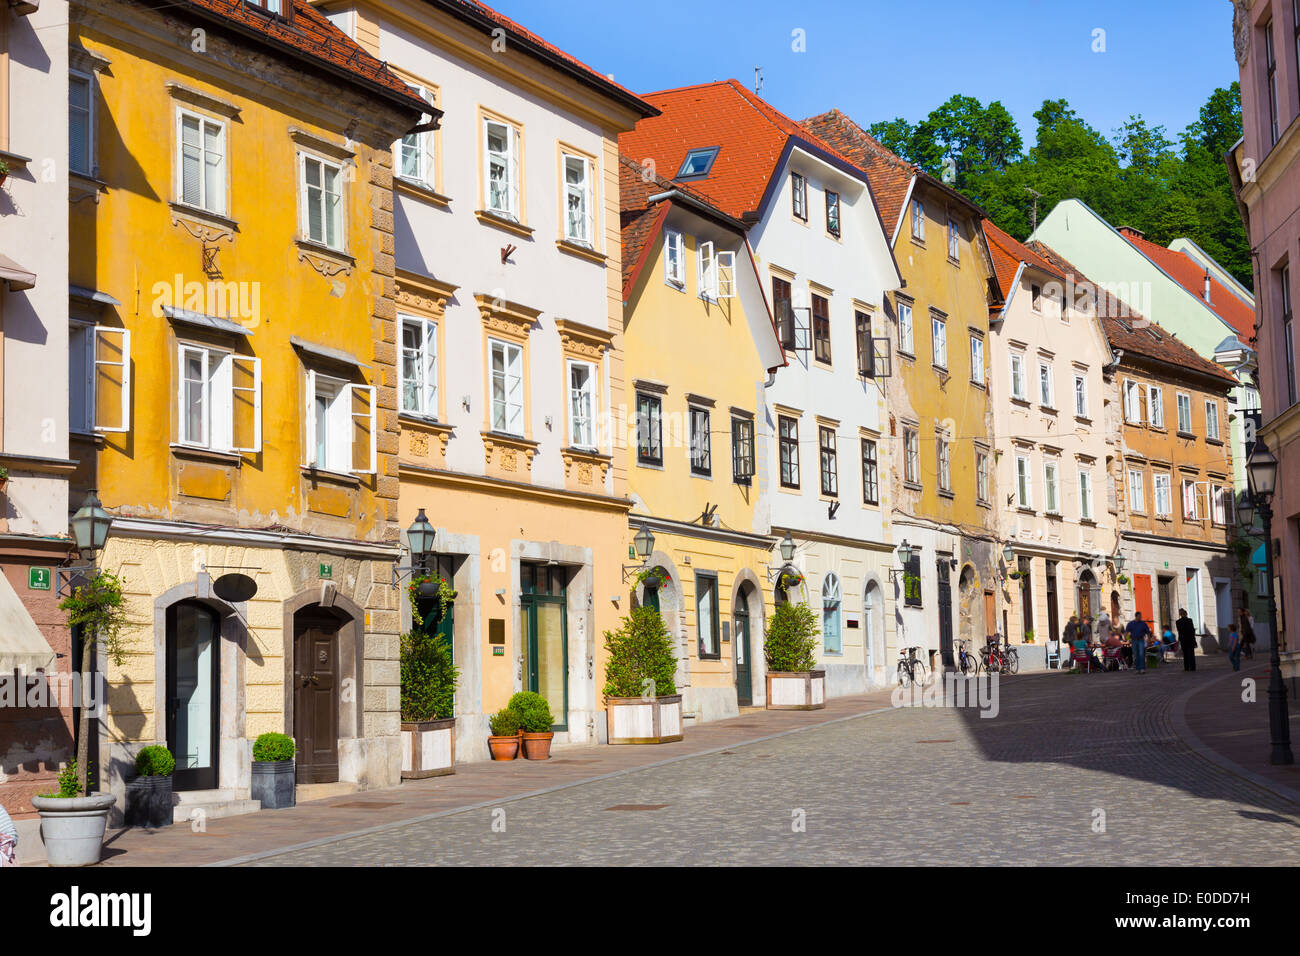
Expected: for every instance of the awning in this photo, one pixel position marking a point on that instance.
(22, 646)
(1258, 558)
(203, 321)
(91, 295)
(326, 352)
(17, 277)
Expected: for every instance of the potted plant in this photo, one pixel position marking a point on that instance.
(149, 795)
(4, 171)
(4, 472)
(535, 722)
(642, 705)
(1122, 579)
(504, 742)
(72, 826)
(273, 780)
(789, 649)
(427, 701)
(653, 578)
(1029, 635)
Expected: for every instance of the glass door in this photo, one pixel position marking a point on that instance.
(543, 612)
(193, 702)
(744, 679)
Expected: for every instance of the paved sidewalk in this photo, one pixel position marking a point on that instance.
(472, 785)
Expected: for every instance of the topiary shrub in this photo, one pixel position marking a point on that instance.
(533, 711)
(155, 761)
(504, 723)
(272, 748)
(640, 651)
(428, 677)
(791, 641)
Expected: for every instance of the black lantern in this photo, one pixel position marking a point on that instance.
(787, 548)
(90, 525)
(644, 542)
(1245, 510)
(1262, 470)
(420, 535)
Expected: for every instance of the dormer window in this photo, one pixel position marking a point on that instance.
(280, 8)
(697, 163)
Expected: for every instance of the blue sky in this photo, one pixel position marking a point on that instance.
(877, 60)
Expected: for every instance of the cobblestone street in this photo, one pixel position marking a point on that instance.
(907, 786)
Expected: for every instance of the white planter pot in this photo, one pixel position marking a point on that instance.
(428, 748)
(633, 720)
(72, 828)
(796, 690)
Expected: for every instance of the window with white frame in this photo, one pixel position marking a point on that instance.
(1221, 505)
(799, 196)
(201, 162)
(419, 366)
(1184, 412)
(1136, 490)
(911, 456)
(832, 597)
(340, 425)
(716, 272)
(507, 366)
(1163, 494)
(1132, 403)
(1191, 500)
(954, 240)
(977, 359)
(99, 378)
(81, 126)
(918, 220)
(833, 213)
(1212, 420)
(675, 258)
(1080, 396)
(905, 336)
(578, 205)
(939, 336)
(501, 168)
(1085, 494)
(1018, 376)
(1046, 385)
(1024, 483)
(1051, 490)
(829, 460)
(945, 463)
(415, 151)
(218, 399)
(322, 200)
(582, 404)
(1156, 406)
(981, 476)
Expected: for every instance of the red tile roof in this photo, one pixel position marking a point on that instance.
(752, 135)
(890, 175)
(311, 36)
(1007, 255)
(1128, 330)
(1185, 270)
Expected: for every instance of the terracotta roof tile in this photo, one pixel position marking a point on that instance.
(1007, 255)
(889, 174)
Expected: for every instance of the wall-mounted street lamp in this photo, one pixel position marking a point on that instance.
(420, 537)
(89, 526)
(1119, 561)
(787, 550)
(644, 544)
(1261, 472)
(1008, 554)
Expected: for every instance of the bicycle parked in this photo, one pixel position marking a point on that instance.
(911, 670)
(967, 662)
(998, 656)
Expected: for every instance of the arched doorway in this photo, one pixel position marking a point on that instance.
(193, 694)
(744, 648)
(1088, 601)
(316, 682)
(873, 607)
(832, 601)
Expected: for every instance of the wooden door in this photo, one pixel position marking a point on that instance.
(945, 613)
(1142, 596)
(1053, 613)
(316, 698)
(990, 614)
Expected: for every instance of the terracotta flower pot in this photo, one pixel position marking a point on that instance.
(504, 748)
(538, 746)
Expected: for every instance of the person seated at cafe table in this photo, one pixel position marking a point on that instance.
(1081, 649)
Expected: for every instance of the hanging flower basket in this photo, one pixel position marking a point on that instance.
(790, 580)
(429, 586)
(653, 578)
(1122, 579)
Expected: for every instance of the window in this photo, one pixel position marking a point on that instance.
(1132, 403)
(1184, 412)
(201, 162)
(1036, 298)
(1156, 406)
(982, 477)
(945, 464)
(866, 346)
(1046, 386)
(870, 473)
(833, 213)
(675, 258)
(1212, 420)
(582, 404)
(1018, 376)
(270, 6)
(742, 450)
(939, 338)
(419, 368)
(905, 328)
(821, 328)
(99, 379)
(219, 399)
(1024, 483)
(1051, 495)
(783, 308)
(977, 359)
(1270, 70)
(501, 170)
(829, 465)
(911, 456)
(577, 199)
(507, 387)
(954, 240)
(1288, 337)
(1136, 491)
(414, 152)
(788, 437)
(1085, 494)
(701, 449)
(649, 429)
(831, 599)
(81, 127)
(1081, 396)
(341, 434)
(322, 201)
(1163, 494)
(716, 272)
(799, 196)
(1221, 506)
(1192, 510)
(706, 615)
(918, 220)
(697, 163)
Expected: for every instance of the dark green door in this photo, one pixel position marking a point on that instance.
(744, 679)
(543, 613)
(650, 598)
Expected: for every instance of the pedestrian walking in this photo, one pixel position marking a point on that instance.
(1234, 649)
(1187, 639)
(8, 840)
(1138, 632)
(1072, 629)
(1247, 633)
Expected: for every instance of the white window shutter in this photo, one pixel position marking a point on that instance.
(360, 400)
(515, 390)
(309, 441)
(246, 403)
(221, 407)
(111, 358)
(725, 269)
(512, 141)
(708, 276)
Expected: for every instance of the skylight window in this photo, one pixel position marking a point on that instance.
(697, 163)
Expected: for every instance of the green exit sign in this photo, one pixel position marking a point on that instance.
(38, 579)
(326, 570)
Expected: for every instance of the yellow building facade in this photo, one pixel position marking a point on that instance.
(233, 389)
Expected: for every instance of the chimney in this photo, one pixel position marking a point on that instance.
(1207, 285)
(1131, 233)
